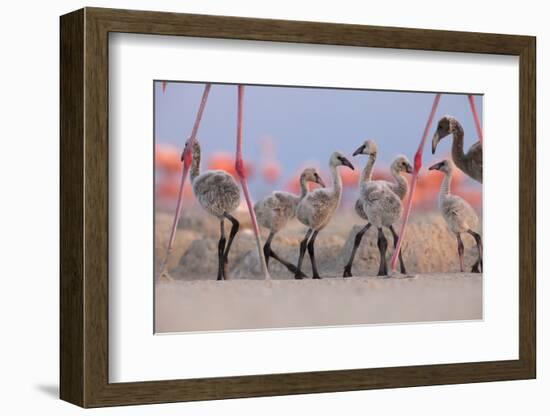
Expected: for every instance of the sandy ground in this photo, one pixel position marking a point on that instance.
(190, 299)
(241, 304)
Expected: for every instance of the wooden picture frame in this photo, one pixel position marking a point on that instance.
(84, 207)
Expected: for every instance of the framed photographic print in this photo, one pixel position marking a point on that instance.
(255, 207)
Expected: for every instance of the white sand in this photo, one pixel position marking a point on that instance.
(182, 306)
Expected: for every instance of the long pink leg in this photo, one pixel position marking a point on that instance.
(476, 118)
(417, 166)
(239, 167)
(186, 159)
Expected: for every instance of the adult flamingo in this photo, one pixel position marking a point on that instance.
(239, 167)
(186, 159)
(471, 162)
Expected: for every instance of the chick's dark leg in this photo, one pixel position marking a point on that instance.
(268, 253)
(267, 248)
(221, 248)
(382, 247)
(291, 267)
(356, 243)
(478, 266)
(232, 233)
(311, 251)
(395, 239)
(460, 252)
(303, 246)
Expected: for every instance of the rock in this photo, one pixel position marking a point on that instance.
(198, 220)
(199, 262)
(247, 267)
(184, 238)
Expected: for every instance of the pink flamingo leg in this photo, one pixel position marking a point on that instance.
(239, 167)
(417, 166)
(476, 118)
(186, 159)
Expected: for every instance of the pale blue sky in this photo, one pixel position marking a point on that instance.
(307, 124)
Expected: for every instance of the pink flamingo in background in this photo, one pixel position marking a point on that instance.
(418, 165)
(271, 170)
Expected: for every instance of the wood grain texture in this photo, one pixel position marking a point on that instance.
(71, 158)
(528, 207)
(225, 27)
(96, 224)
(84, 207)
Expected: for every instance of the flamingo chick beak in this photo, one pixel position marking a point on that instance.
(347, 163)
(437, 166)
(435, 141)
(359, 150)
(319, 180)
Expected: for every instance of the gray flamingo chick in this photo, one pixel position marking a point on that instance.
(219, 195)
(317, 208)
(470, 163)
(277, 209)
(400, 185)
(383, 208)
(370, 149)
(400, 188)
(458, 214)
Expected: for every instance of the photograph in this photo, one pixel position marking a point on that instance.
(282, 207)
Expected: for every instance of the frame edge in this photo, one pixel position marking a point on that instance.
(528, 208)
(71, 290)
